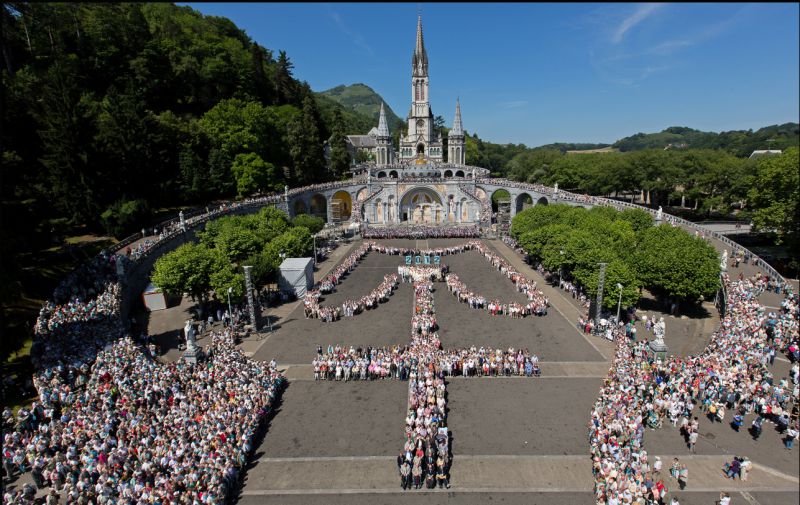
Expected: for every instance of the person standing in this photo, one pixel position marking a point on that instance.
(405, 475)
(683, 476)
(657, 466)
(791, 434)
(417, 473)
(693, 436)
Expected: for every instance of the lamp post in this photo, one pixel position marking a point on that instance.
(230, 311)
(315, 249)
(560, 266)
(619, 302)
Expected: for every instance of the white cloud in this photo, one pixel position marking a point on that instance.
(356, 38)
(642, 12)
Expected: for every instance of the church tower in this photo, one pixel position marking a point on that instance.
(421, 143)
(384, 151)
(456, 146)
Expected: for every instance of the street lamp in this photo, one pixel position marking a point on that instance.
(560, 265)
(230, 311)
(315, 249)
(619, 302)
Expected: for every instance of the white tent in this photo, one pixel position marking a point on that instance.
(296, 276)
(154, 298)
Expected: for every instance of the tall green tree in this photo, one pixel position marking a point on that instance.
(305, 146)
(774, 196)
(339, 155)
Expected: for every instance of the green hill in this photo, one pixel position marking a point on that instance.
(738, 142)
(364, 101)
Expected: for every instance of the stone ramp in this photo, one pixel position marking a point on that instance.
(480, 474)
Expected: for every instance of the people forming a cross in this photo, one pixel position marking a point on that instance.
(426, 365)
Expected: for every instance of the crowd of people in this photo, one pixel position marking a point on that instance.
(112, 424)
(349, 308)
(731, 373)
(416, 273)
(494, 307)
(421, 232)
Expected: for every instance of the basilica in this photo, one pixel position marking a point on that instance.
(421, 144)
(421, 182)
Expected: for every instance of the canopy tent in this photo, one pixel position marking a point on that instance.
(296, 276)
(154, 298)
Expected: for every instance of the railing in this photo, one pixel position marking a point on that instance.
(173, 225)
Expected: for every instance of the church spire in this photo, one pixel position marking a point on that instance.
(419, 61)
(383, 127)
(458, 129)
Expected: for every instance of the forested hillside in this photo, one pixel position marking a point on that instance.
(740, 143)
(111, 110)
(366, 103)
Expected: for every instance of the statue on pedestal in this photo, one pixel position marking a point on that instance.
(723, 265)
(555, 189)
(659, 214)
(192, 351)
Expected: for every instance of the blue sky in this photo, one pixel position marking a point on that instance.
(542, 73)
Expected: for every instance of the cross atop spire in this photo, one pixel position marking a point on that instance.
(419, 61)
(383, 127)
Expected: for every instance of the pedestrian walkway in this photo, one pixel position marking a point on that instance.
(557, 300)
(490, 473)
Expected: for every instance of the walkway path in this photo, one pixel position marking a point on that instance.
(557, 299)
(252, 344)
(488, 473)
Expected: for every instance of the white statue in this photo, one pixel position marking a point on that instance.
(659, 329)
(723, 265)
(191, 344)
(659, 214)
(369, 177)
(555, 189)
(183, 221)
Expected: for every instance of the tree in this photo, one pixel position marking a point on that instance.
(672, 263)
(774, 198)
(253, 174)
(189, 269)
(305, 146)
(314, 224)
(340, 156)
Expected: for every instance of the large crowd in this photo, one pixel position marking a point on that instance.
(421, 232)
(537, 302)
(352, 307)
(425, 457)
(111, 424)
(139, 430)
(731, 374)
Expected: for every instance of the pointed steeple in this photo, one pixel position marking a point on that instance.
(419, 62)
(457, 129)
(383, 127)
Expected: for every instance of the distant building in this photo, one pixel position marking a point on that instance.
(765, 152)
(421, 144)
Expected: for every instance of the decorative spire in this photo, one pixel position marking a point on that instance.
(419, 62)
(383, 127)
(458, 129)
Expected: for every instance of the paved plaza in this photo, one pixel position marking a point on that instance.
(514, 440)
